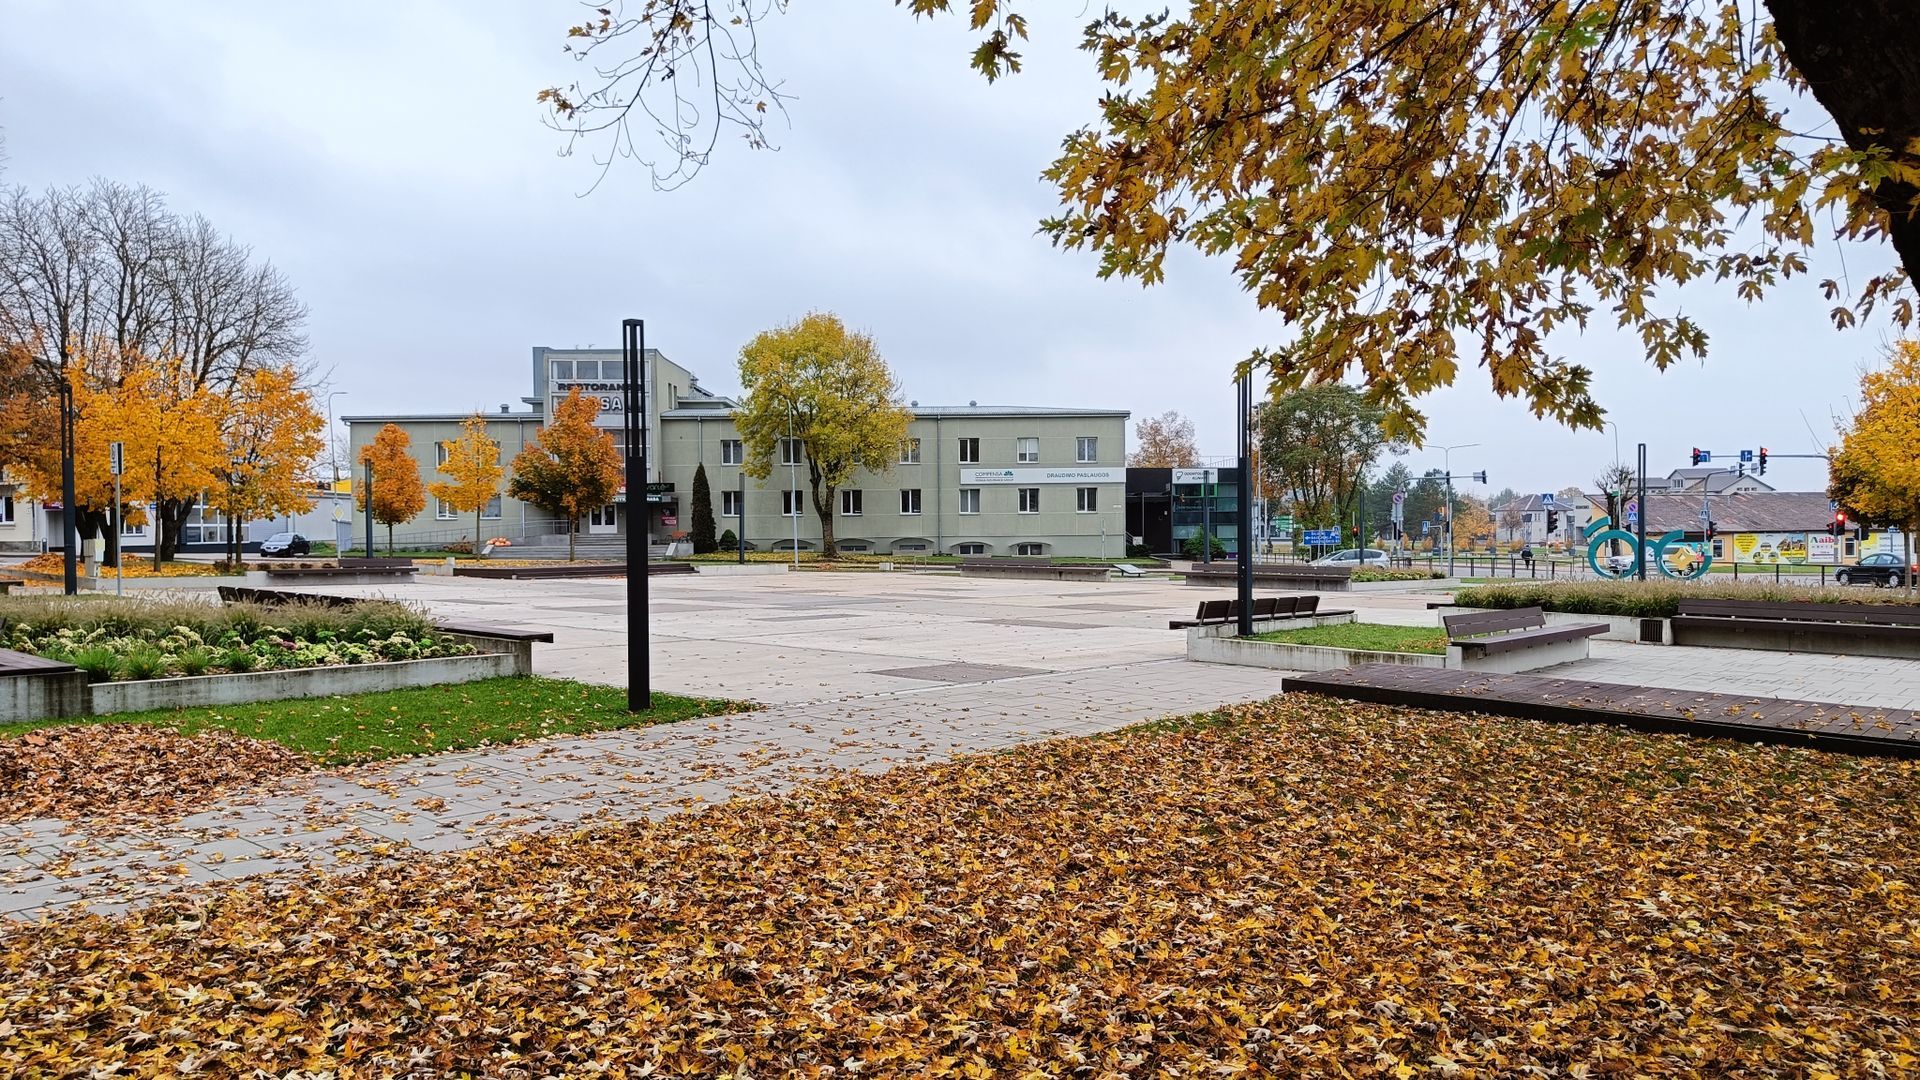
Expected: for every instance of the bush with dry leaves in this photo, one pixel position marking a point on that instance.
(1306, 888)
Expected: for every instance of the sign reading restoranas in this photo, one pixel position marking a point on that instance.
(969, 477)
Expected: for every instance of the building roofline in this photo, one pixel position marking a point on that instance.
(391, 418)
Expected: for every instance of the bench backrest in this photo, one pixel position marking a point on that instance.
(1214, 610)
(1878, 614)
(1493, 622)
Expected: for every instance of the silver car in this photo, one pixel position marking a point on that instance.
(1351, 557)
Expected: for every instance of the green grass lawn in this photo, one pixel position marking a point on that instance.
(1373, 637)
(423, 720)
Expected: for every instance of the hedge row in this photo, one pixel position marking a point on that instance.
(1656, 599)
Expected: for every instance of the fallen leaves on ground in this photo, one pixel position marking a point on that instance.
(134, 566)
(1304, 887)
(130, 770)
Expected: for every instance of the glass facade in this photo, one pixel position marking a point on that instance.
(1207, 505)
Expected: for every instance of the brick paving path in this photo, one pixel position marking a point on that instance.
(462, 800)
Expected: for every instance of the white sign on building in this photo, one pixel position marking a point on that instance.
(970, 477)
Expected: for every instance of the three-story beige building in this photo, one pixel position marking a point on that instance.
(969, 480)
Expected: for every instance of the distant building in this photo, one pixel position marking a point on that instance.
(969, 479)
(1713, 481)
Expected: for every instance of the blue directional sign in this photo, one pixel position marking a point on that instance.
(1706, 456)
(1746, 455)
(1323, 537)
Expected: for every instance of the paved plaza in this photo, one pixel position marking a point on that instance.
(856, 670)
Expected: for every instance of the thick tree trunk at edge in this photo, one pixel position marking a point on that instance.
(1862, 60)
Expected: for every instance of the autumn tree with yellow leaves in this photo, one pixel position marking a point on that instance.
(829, 388)
(1164, 442)
(473, 472)
(1414, 186)
(271, 432)
(1874, 474)
(397, 492)
(570, 467)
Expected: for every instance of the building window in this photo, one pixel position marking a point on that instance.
(730, 504)
(969, 451)
(560, 370)
(6, 509)
(442, 511)
(790, 452)
(732, 452)
(969, 549)
(969, 500)
(440, 453)
(850, 502)
(910, 547)
(910, 451)
(491, 512)
(909, 500)
(1029, 450)
(1029, 549)
(1086, 449)
(789, 504)
(854, 546)
(1029, 500)
(587, 370)
(1087, 500)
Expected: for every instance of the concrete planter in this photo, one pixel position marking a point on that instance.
(741, 569)
(45, 697)
(1628, 628)
(1283, 657)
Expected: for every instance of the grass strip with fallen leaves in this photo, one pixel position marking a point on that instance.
(157, 764)
(53, 564)
(1373, 637)
(1304, 888)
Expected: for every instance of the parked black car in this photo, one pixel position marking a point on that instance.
(1880, 568)
(288, 544)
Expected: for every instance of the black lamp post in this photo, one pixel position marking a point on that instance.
(633, 421)
(69, 530)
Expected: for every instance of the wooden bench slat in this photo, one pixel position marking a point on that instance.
(1891, 614)
(1526, 639)
(1493, 622)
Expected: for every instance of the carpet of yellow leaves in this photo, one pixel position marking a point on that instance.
(128, 771)
(135, 566)
(1306, 887)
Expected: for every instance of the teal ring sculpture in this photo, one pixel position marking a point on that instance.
(1657, 548)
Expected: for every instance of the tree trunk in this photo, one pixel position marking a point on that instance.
(573, 530)
(389, 540)
(828, 550)
(1861, 59)
(476, 527)
(113, 531)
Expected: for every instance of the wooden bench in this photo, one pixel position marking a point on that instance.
(355, 568)
(1514, 641)
(1034, 566)
(1784, 625)
(19, 663)
(1212, 612)
(1273, 575)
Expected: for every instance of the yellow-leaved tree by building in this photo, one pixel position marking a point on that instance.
(397, 492)
(473, 473)
(1874, 473)
(828, 388)
(570, 467)
(271, 433)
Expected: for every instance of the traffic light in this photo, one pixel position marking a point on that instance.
(1763, 461)
(1696, 455)
(1711, 530)
(1839, 526)
(1553, 521)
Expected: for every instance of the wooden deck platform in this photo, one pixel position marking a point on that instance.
(1818, 724)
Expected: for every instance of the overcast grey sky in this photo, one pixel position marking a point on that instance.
(391, 159)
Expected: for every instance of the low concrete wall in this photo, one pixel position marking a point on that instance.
(1041, 573)
(42, 697)
(741, 569)
(1283, 657)
(1619, 627)
(1836, 642)
(1519, 660)
(45, 697)
(112, 697)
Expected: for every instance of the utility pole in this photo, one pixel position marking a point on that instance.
(70, 533)
(116, 458)
(740, 534)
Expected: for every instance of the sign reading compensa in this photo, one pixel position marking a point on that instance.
(969, 477)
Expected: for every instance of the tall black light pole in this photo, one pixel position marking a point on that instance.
(1243, 417)
(69, 531)
(1640, 518)
(633, 421)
